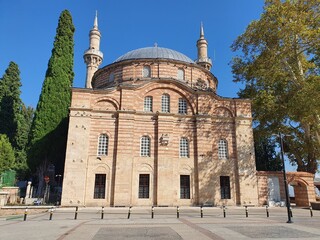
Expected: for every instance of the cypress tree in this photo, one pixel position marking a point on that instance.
(48, 134)
(10, 102)
(14, 120)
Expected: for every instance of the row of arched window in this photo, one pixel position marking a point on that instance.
(146, 73)
(145, 144)
(165, 104)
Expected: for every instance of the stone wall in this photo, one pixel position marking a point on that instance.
(301, 181)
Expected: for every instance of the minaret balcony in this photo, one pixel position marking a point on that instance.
(204, 60)
(94, 52)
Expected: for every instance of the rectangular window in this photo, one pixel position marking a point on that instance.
(182, 108)
(147, 106)
(165, 103)
(225, 187)
(100, 186)
(184, 186)
(144, 180)
(184, 147)
(103, 145)
(145, 146)
(223, 149)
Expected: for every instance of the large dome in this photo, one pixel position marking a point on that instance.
(154, 53)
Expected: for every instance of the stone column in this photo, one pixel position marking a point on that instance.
(28, 190)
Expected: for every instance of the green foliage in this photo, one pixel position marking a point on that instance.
(7, 159)
(10, 102)
(279, 65)
(267, 159)
(48, 133)
(15, 118)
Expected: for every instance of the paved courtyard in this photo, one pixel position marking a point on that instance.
(164, 225)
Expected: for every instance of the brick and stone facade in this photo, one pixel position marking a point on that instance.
(217, 165)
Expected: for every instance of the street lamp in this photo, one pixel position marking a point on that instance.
(285, 180)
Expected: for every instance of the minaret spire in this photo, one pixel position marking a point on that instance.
(93, 57)
(201, 31)
(95, 24)
(202, 46)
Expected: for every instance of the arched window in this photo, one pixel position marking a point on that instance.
(147, 106)
(223, 149)
(146, 72)
(165, 103)
(180, 74)
(184, 147)
(111, 77)
(103, 144)
(182, 108)
(145, 146)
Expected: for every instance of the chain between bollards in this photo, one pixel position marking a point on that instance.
(224, 211)
(178, 214)
(311, 213)
(267, 210)
(201, 211)
(152, 211)
(25, 214)
(102, 212)
(129, 212)
(76, 213)
(247, 214)
(51, 213)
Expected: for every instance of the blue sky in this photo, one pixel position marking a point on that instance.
(28, 29)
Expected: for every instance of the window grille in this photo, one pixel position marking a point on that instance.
(182, 109)
(165, 103)
(147, 107)
(223, 149)
(184, 186)
(225, 187)
(145, 146)
(144, 180)
(103, 144)
(100, 186)
(184, 147)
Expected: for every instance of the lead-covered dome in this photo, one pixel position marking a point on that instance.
(154, 53)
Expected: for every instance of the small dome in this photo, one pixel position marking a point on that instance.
(154, 53)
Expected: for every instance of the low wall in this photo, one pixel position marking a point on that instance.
(3, 198)
(13, 194)
(302, 182)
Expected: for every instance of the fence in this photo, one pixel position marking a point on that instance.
(7, 178)
(246, 212)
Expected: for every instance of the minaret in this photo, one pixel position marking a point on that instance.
(93, 57)
(202, 46)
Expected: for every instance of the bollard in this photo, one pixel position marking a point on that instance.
(178, 215)
(102, 212)
(311, 213)
(267, 210)
(291, 212)
(51, 213)
(129, 212)
(224, 211)
(76, 213)
(152, 211)
(201, 211)
(246, 207)
(25, 214)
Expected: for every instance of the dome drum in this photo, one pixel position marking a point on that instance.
(135, 67)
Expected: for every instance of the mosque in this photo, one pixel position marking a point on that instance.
(150, 129)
